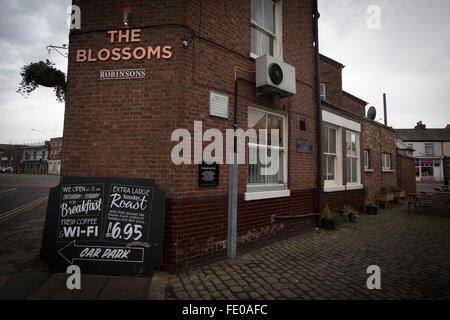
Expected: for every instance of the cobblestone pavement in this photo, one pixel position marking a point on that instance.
(412, 251)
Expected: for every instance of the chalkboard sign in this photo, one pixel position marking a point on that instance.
(304, 146)
(80, 212)
(208, 175)
(104, 225)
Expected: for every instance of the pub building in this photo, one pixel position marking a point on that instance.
(139, 70)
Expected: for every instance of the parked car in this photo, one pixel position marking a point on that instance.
(10, 170)
(2, 169)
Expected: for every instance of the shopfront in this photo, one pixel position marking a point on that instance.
(429, 169)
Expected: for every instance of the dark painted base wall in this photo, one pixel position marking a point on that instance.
(338, 200)
(196, 227)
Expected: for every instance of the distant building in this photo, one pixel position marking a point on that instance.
(10, 155)
(431, 151)
(35, 159)
(55, 152)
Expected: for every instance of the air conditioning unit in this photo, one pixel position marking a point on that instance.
(274, 77)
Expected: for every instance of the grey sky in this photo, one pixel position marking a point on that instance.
(26, 28)
(408, 58)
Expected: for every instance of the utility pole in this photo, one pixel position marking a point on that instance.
(385, 109)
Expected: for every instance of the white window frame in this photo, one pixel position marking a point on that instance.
(270, 190)
(366, 160)
(383, 167)
(358, 162)
(332, 119)
(367, 168)
(429, 144)
(277, 35)
(336, 184)
(323, 90)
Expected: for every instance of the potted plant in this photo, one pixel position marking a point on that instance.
(366, 198)
(42, 74)
(350, 214)
(327, 219)
(399, 193)
(385, 195)
(371, 208)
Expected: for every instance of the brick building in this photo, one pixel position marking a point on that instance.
(123, 128)
(35, 158)
(10, 155)
(54, 157)
(139, 72)
(431, 151)
(363, 151)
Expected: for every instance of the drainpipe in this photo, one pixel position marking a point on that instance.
(319, 113)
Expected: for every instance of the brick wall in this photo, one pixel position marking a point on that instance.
(196, 227)
(122, 128)
(331, 75)
(374, 137)
(353, 106)
(336, 201)
(378, 139)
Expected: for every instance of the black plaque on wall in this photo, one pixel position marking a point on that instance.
(304, 146)
(208, 175)
(104, 225)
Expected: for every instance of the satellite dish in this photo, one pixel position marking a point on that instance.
(372, 113)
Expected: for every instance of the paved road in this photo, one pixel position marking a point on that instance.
(20, 189)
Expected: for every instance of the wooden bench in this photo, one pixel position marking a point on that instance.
(416, 199)
(432, 200)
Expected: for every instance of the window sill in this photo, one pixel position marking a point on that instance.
(388, 171)
(253, 56)
(334, 188)
(251, 196)
(368, 170)
(354, 187)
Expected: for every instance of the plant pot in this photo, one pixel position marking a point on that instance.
(385, 197)
(371, 210)
(46, 79)
(399, 195)
(351, 218)
(328, 224)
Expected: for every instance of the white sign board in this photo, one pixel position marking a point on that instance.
(218, 105)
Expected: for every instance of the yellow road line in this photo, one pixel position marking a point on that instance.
(22, 208)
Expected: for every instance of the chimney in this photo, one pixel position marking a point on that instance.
(420, 126)
(448, 126)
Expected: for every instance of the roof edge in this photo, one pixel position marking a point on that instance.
(331, 61)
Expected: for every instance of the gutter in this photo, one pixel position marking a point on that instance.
(319, 112)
